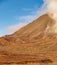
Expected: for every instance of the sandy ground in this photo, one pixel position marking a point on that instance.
(54, 63)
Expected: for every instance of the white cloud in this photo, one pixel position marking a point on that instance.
(14, 28)
(28, 18)
(34, 14)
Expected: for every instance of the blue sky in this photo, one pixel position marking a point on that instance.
(16, 13)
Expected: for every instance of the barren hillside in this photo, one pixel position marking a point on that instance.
(32, 43)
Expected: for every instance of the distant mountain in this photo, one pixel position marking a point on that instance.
(32, 43)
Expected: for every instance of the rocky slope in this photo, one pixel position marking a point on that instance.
(32, 43)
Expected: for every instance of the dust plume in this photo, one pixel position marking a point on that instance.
(52, 12)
